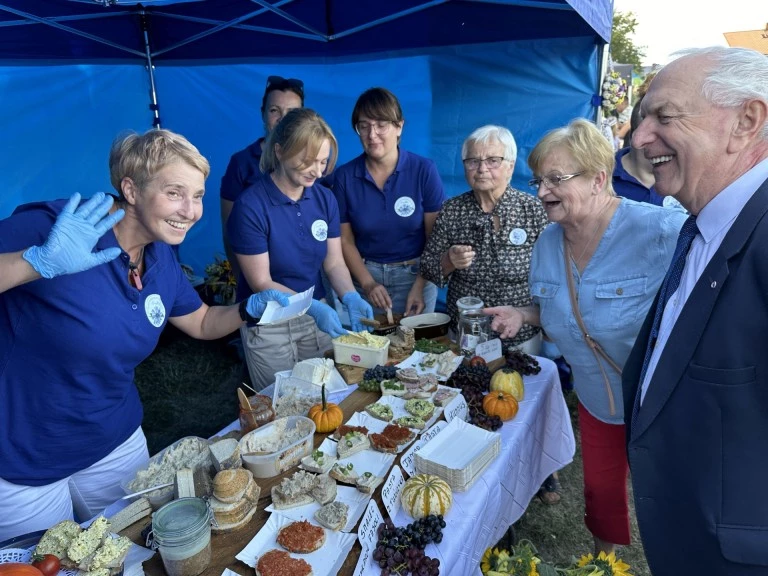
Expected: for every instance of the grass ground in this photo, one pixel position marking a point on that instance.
(188, 387)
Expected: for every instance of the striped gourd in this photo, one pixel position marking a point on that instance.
(425, 494)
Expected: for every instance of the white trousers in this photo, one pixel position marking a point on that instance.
(25, 509)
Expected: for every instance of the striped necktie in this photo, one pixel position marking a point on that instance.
(668, 287)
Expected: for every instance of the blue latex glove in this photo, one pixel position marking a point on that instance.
(257, 303)
(326, 318)
(357, 308)
(69, 247)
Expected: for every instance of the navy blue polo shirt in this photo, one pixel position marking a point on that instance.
(294, 233)
(68, 349)
(389, 225)
(630, 187)
(242, 171)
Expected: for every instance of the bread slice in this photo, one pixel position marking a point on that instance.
(110, 554)
(381, 443)
(410, 422)
(129, 515)
(333, 515)
(380, 411)
(227, 527)
(301, 537)
(343, 430)
(225, 454)
(367, 482)
(229, 485)
(229, 513)
(88, 540)
(280, 563)
(345, 473)
(352, 443)
(318, 462)
(252, 492)
(399, 434)
(392, 388)
(325, 489)
(442, 397)
(57, 538)
(420, 408)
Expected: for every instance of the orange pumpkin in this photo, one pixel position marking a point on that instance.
(326, 416)
(19, 569)
(501, 404)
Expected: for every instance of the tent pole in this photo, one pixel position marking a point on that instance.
(153, 105)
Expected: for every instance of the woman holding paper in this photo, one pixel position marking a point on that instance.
(283, 230)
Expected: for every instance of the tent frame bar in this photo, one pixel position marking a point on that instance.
(71, 17)
(274, 9)
(389, 18)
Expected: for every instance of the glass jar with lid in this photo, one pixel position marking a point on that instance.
(261, 413)
(474, 329)
(182, 533)
(469, 303)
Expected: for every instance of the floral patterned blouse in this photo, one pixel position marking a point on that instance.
(499, 273)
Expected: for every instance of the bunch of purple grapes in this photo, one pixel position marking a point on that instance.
(522, 362)
(477, 376)
(400, 551)
(474, 383)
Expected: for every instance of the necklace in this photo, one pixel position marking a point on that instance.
(594, 233)
(133, 271)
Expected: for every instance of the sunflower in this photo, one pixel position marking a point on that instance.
(607, 564)
(495, 560)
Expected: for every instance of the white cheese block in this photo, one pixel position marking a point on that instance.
(315, 370)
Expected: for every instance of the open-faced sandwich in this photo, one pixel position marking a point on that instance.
(293, 491)
(407, 375)
(352, 443)
(280, 563)
(367, 482)
(392, 388)
(343, 430)
(333, 515)
(345, 473)
(420, 408)
(301, 537)
(410, 422)
(383, 444)
(399, 434)
(318, 462)
(380, 411)
(324, 490)
(443, 396)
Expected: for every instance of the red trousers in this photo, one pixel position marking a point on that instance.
(604, 454)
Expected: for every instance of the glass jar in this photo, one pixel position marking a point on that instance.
(261, 412)
(469, 303)
(182, 533)
(474, 329)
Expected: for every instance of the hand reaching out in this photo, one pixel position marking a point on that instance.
(507, 320)
(461, 256)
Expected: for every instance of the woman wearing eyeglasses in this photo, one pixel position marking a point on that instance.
(284, 230)
(482, 240)
(594, 272)
(388, 201)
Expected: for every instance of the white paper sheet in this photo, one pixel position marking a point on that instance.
(298, 305)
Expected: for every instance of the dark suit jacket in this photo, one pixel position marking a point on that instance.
(698, 449)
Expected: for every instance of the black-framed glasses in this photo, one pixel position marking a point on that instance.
(492, 162)
(280, 83)
(552, 181)
(379, 127)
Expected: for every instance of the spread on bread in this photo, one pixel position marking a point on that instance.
(318, 462)
(301, 537)
(333, 515)
(420, 408)
(380, 411)
(410, 422)
(344, 429)
(344, 473)
(280, 563)
(352, 443)
(367, 482)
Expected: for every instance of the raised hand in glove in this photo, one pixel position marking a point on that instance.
(357, 308)
(69, 247)
(326, 318)
(257, 303)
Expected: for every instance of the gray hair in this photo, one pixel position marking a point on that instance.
(737, 75)
(488, 134)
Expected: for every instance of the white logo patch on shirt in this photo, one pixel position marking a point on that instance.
(320, 230)
(518, 236)
(155, 310)
(404, 206)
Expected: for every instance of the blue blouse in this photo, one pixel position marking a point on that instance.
(614, 292)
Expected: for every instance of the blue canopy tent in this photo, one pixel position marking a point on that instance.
(74, 73)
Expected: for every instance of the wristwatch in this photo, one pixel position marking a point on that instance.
(243, 309)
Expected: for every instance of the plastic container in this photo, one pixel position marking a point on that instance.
(158, 498)
(363, 356)
(182, 533)
(269, 464)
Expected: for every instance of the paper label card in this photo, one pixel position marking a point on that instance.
(298, 304)
(490, 350)
(457, 408)
(408, 461)
(363, 561)
(390, 492)
(369, 526)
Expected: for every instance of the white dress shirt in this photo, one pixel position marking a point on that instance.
(714, 221)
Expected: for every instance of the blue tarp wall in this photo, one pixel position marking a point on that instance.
(58, 121)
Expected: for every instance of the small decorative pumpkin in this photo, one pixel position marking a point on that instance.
(509, 381)
(501, 404)
(326, 416)
(426, 494)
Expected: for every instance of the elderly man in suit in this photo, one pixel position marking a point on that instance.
(696, 382)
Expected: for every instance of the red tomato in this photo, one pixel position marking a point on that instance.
(19, 569)
(477, 361)
(48, 564)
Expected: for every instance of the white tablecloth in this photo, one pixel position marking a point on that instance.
(538, 442)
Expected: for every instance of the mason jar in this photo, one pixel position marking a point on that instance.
(182, 533)
(474, 329)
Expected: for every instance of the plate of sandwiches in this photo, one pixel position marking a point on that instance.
(342, 513)
(350, 469)
(383, 436)
(296, 547)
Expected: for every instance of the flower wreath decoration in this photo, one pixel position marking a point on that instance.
(614, 91)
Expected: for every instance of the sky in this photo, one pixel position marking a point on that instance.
(668, 25)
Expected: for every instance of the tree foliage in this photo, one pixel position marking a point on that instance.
(623, 48)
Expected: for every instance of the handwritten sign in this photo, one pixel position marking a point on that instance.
(390, 493)
(408, 460)
(363, 561)
(457, 408)
(490, 350)
(369, 525)
(432, 432)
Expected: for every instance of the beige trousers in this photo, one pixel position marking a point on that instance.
(270, 349)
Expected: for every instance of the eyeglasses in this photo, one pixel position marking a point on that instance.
(380, 127)
(280, 83)
(552, 181)
(492, 162)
